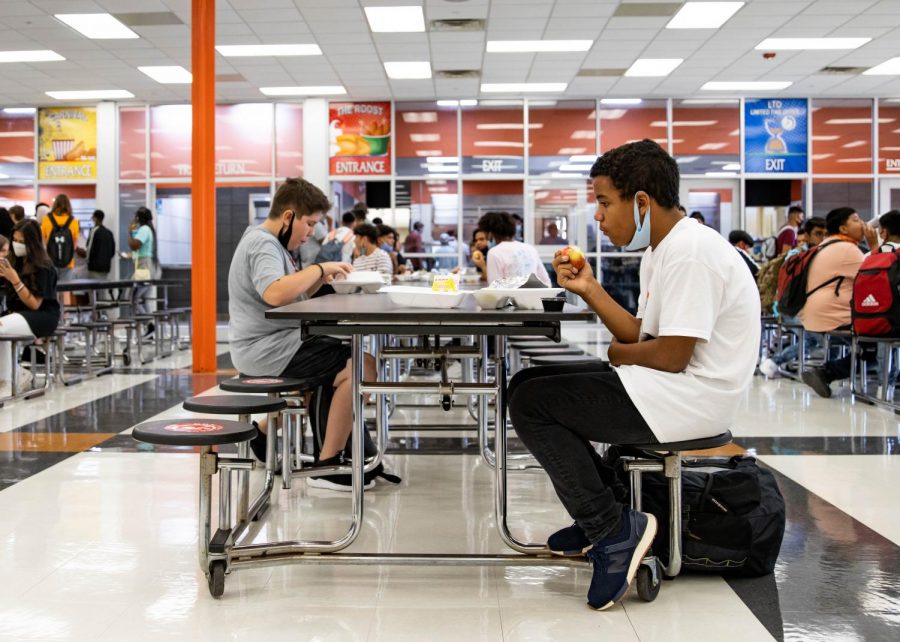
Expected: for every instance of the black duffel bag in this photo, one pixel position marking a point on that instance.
(733, 515)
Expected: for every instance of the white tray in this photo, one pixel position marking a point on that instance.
(410, 296)
(524, 298)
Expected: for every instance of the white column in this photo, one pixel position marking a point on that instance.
(108, 171)
(315, 143)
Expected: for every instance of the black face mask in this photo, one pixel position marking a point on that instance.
(284, 236)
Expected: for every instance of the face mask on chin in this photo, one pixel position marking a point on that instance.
(284, 236)
(641, 238)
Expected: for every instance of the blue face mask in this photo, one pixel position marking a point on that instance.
(492, 243)
(641, 238)
(387, 247)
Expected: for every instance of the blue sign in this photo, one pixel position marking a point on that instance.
(775, 135)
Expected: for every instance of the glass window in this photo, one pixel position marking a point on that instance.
(170, 141)
(132, 143)
(20, 194)
(172, 214)
(562, 138)
(626, 124)
(841, 136)
(426, 139)
(435, 204)
(829, 194)
(889, 137)
(480, 197)
(707, 137)
(493, 138)
(288, 139)
(17, 145)
(621, 278)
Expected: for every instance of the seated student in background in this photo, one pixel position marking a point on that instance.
(743, 243)
(387, 242)
(889, 231)
(371, 257)
(830, 287)
(680, 367)
(263, 276)
(508, 258)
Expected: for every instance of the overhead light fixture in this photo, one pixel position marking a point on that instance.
(522, 87)
(887, 68)
(33, 55)
(508, 126)
(820, 137)
(684, 160)
(537, 46)
(752, 85)
(788, 44)
(312, 90)
(90, 94)
(395, 19)
(19, 110)
(653, 67)
(583, 134)
(168, 75)
(496, 143)
(457, 103)
(410, 70)
(97, 26)
(703, 15)
(710, 101)
(453, 160)
(684, 123)
(856, 121)
(620, 101)
(565, 151)
(731, 167)
(419, 116)
(252, 51)
(575, 167)
(582, 158)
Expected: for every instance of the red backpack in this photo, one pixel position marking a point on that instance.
(793, 277)
(876, 296)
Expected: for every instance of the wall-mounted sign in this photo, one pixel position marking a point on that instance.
(360, 138)
(493, 165)
(67, 143)
(892, 164)
(775, 135)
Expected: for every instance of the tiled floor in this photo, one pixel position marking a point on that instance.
(98, 535)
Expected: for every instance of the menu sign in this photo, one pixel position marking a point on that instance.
(360, 138)
(67, 143)
(775, 135)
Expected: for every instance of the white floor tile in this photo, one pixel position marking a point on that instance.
(436, 624)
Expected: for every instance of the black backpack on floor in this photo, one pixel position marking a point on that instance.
(733, 515)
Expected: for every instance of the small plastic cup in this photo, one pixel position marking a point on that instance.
(553, 304)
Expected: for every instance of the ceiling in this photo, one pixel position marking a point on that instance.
(354, 56)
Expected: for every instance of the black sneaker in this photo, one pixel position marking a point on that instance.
(569, 542)
(816, 379)
(150, 328)
(616, 558)
(340, 482)
(258, 447)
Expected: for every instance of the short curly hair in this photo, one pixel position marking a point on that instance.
(301, 196)
(641, 166)
(499, 224)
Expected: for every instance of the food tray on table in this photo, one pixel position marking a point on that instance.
(524, 298)
(410, 296)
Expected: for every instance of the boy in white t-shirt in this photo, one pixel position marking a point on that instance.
(679, 367)
(508, 257)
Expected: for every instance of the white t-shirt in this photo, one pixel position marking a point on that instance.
(695, 285)
(514, 258)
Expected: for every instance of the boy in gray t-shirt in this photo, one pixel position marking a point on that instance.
(263, 276)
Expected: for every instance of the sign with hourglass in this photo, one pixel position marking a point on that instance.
(775, 135)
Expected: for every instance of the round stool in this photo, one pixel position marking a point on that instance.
(562, 359)
(204, 431)
(234, 404)
(269, 385)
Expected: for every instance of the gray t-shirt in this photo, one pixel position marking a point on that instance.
(259, 346)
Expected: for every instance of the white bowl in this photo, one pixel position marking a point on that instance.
(409, 296)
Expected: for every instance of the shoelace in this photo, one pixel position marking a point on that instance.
(600, 557)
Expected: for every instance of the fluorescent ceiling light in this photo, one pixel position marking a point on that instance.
(97, 26)
(608, 114)
(784, 44)
(425, 138)
(505, 103)
(247, 51)
(854, 160)
(684, 123)
(34, 55)
(453, 160)
(703, 15)
(572, 150)
(523, 87)
(586, 134)
(887, 68)
(710, 101)
(428, 152)
(855, 121)
(620, 101)
(419, 116)
(855, 143)
(653, 67)
(731, 167)
(573, 167)
(457, 103)
(19, 110)
(751, 85)
(414, 70)
(312, 90)
(683, 160)
(537, 46)
(711, 147)
(90, 94)
(821, 156)
(395, 19)
(168, 75)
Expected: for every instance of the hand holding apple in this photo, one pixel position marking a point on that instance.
(576, 256)
(573, 272)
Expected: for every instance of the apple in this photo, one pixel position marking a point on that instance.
(477, 255)
(576, 256)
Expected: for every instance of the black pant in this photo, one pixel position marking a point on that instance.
(839, 369)
(556, 412)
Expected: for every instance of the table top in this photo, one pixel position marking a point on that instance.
(78, 285)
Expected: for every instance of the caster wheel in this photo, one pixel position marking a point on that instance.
(126, 358)
(446, 403)
(645, 587)
(216, 578)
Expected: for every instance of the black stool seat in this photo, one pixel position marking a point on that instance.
(539, 352)
(268, 384)
(206, 431)
(561, 359)
(97, 325)
(690, 444)
(531, 345)
(527, 339)
(234, 404)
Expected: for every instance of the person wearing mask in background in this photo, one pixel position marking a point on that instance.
(142, 240)
(6, 223)
(40, 213)
(309, 251)
(743, 243)
(61, 232)
(371, 257)
(508, 257)
(553, 237)
(520, 227)
(386, 236)
(17, 213)
(478, 252)
(30, 283)
(698, 216)
(414, 244)
(101, 248)
(787, 235)
(830, 289)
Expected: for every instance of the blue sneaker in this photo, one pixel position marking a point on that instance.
(569, 542)
(616, 559)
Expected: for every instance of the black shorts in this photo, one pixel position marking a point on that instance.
(318, 357)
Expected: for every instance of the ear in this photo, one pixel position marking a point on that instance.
(643, 201)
